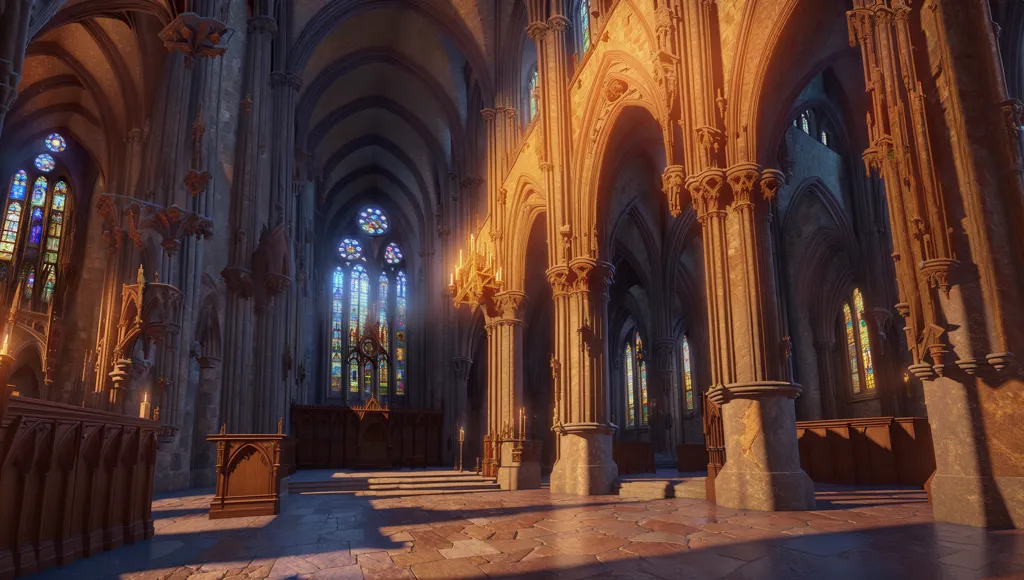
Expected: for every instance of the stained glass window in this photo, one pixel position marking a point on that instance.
(392, 254)
(865, 342)
(851, 347)
(584, 16)
(687, 375)
(10, 232)
(805, 123)
(642, 373)
(337, 328)
(19, 184)
(400, 298)
(35, 229)
(56, 226)
(630, 396)
(533, 96)
(367, 378)
(48, 286)
(350, 249)
(39, 192)
(382, 329)
(54, 142)
(45, 162)
(60, 193)
(373, 221)
(824, 138)
(360, 289)
(30, 282)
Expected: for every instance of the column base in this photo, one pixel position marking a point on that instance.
(585, 465)
(520, 465)
(764, 490)
(984, 502)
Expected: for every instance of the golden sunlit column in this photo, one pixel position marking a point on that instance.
(749, 381)
(583, 429)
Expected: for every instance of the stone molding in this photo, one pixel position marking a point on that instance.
(721, 394)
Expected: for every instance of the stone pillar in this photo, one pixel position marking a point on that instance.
(955, 209)
(666, 405)
(584, 432)
(462, 366)
(248, 191)
(749, 374)
(15, 16)
(828, 381)
(207, 414)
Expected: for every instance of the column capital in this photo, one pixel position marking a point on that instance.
(263, 24)
(537, 31)
(672, 182)
(591, 275)
(462, 365)
(509, 305)
(292, 80)
(721, 394)
(489, 114)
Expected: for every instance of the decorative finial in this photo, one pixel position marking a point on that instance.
(280, 425)
(223, 428)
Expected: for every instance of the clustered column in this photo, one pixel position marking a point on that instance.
(248, 191)
(749, 381)
(15, 16)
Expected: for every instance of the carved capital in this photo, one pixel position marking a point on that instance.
(510, 304)
(772, 181)
(743, 178)
(706, 189)
(537, 31)
(672, 181)
(558, 23)
(238, 281)
(262, 25)
(462, 365)
(489, 114)
(558, 277)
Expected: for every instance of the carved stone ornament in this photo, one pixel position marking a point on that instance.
(672, 181)
(151, 312)
(614, 89)
(125, 216)
(196, 36)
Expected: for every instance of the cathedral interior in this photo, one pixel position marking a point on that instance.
(511, 289)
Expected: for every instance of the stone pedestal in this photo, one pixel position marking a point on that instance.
(979, 478)
(762, 467)
(520, 465)
(585, 465)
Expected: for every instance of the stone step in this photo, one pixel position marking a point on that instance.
(431, 485)
(651, 488)
(417, 492)
(428, 480)
(378, 484)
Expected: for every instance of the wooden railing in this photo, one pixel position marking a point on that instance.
(870, 451)
(73, 482)
(347, 437)
(249, 472)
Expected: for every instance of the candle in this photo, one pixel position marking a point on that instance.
(451, 281)
(144, 407)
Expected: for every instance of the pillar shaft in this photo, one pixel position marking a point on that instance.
(749, 378)
(248, 192)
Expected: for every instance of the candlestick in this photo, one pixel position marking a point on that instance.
(451, 281)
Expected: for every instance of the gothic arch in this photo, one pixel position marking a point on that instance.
(803, 36)
(526, 207)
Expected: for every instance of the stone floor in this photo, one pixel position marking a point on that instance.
(871, 534)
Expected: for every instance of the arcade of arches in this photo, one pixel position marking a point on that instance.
(579, 223)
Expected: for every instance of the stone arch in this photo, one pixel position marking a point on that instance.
(526, 206)
(27, 372)
(802, 37)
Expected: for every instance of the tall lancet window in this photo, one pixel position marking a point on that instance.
(337, 329)
(359, 296)
(687, 375)
(584, 25)
(858, 346)
(35, 219)
(532, 92)
(382, 331)
(400, 313)
(637, 409)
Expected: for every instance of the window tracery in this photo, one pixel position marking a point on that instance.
(531, 92)
(687, 375)
(858, 345)
(392, 254)
(33, 249)
(637, 409)
(373, 221)
(584, 25)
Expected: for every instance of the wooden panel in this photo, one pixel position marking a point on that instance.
(633, 456)
(73, 482)
(870, 451)
(249, 473)
(353, 438)
(692, 458)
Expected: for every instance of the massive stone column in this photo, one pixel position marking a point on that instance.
(248, 191)
(749, 374)
(15, 16)
(956, 205)
(581, 422)
(667, 404)
(827, 379)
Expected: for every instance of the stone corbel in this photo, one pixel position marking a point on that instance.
(672, 181)
(196, 36)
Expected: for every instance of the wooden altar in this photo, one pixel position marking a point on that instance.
(371, 436)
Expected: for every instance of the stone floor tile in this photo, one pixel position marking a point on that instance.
(341, 573)
(448, 569)
(467, 548)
